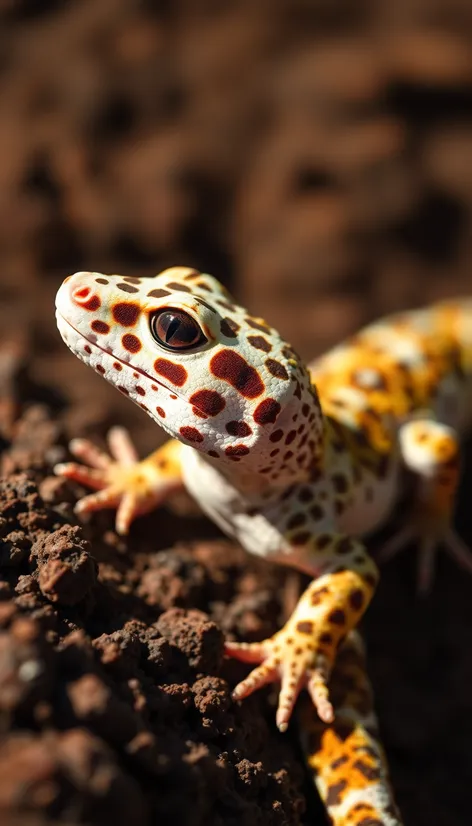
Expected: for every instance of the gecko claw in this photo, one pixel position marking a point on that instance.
(118, 478)
(291, 660)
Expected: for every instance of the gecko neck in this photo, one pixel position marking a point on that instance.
(290, 451)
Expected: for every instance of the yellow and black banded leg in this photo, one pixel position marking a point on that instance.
(345, 756)
(303, 652)
(430, 450)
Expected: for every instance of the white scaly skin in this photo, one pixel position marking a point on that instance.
(293, 479)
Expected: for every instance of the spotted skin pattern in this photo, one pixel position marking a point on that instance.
(295, 463)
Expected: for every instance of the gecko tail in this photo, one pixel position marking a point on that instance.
(345, 757)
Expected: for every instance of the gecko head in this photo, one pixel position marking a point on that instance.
(210, 374)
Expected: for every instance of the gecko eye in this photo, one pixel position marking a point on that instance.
(176, 330)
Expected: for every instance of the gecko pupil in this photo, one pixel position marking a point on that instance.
(176, 330)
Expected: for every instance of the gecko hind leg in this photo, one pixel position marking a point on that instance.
(431, 451)
(345, 757)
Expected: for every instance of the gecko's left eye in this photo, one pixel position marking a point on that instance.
(176, 330)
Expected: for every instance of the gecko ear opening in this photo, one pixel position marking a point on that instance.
(176, 330)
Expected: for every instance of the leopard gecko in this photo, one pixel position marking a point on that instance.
(295, 462)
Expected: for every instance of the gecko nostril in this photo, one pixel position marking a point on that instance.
(81, 293)
(86, 298)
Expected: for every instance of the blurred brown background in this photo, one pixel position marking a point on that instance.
(316, 156)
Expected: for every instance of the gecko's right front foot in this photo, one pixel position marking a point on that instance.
(123, 482)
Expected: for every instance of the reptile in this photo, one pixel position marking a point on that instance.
(297, 463)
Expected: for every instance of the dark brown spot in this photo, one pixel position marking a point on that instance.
(130, 279)
(127, 288)
(191, 434)
(175, 373)
(371, 579)
(322, 541)
(214, 454)
(277, 369)
(238, 429)
(337, 617)
(208, 401)
(126, 314)
(231, 367)
(317, 596)
(326, 638)
(276, 436)
(161, 412)
(370, 821)
(300, 538)
(296, 521)
(140, 390)
(229, 328)
(236, 451)
(131, 343)
(117, 365)
(267, 411)
(305, 494)
(100, 327)
(260, 343)
(175, 285)
(370, 772)
(317, 512)
(333, 798)
(122, 389)
(290, 437)
(158, 293)
(100, 369)
(87, 349)
(227, 305)
(340, 761)
(356, 599)
(264, 328)
(101, 281)
(304, 627)
(345, 545)
(339, 482)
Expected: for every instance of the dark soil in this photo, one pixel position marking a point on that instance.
(317, 157)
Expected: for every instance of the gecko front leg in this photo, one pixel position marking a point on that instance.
(303, 652)
(123, 482)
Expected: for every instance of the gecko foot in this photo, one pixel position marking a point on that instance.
(120, 480)
(428, 542)
(293, 657)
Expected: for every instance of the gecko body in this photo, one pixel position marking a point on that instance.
(296, 463)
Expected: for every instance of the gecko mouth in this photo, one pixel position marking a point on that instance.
(117, 358)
